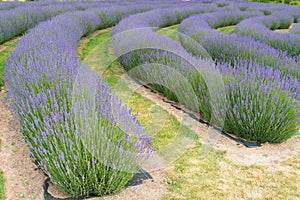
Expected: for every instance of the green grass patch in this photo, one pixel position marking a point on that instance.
(170, 32)
(87, 44)
(4, 53)
(226, 29)
(2, 191)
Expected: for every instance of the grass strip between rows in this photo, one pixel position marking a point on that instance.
(2, 191)
(4, 53)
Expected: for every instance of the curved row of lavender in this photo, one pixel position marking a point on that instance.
(262, 29)
(79, 133)
(234, 48)
(14, 22)
(136, 44)
(261, 104)
(9, 5)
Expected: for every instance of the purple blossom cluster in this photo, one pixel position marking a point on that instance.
(97, 139)
(261, 29)
(267, 8)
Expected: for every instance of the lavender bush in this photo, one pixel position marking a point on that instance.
(262, 103)
(16, 21)
(86, 146)
(140, 46)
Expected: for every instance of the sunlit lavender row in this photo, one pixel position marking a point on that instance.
(94, 145)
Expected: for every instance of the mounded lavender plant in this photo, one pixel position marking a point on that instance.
(85, 145)
(263, 104)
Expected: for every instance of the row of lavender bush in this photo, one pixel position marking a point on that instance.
(14, 22)
(261, 29)
(233, 48)
(136, 44)
(8, 5)
(79, 133)
(18, 20)
(260, 102)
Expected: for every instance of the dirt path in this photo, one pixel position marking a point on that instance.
(20, 176)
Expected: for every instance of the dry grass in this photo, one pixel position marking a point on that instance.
(215, 177)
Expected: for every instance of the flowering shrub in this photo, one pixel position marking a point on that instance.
(261, 103)
(85, 145)
(82, 136)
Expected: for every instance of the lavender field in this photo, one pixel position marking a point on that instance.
(64, 70)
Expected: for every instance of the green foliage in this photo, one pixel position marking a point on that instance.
(2, 191)
(227, 29)
(291, 2)
(222, 4)
(294, 3)
(256, 113)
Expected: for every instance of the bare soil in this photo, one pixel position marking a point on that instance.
(16, 164)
